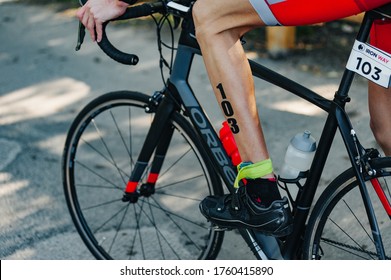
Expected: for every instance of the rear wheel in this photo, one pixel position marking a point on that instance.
(102, 146)
(338, 227)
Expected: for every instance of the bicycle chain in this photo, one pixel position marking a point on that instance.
(351, 247)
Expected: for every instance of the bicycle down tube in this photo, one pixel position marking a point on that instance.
(262, 250)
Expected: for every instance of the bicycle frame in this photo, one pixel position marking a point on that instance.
(179, 91)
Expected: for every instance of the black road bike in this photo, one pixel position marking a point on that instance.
(136, 166)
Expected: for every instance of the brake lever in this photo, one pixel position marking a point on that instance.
(80, 36)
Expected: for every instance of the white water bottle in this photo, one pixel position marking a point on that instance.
(299, 155)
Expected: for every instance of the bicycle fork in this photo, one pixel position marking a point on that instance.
(157, 140)
(359, 162)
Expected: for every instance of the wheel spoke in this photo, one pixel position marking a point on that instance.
(108, 150)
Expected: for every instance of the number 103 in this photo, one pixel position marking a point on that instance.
(367, 69)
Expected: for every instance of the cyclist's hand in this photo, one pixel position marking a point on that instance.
(95, 12)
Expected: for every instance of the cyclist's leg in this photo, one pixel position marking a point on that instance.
(379, 98)
(219, 26)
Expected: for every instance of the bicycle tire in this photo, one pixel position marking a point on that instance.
(338, 227)
(99, 153)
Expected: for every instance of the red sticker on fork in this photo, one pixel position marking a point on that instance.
(152, 178)
(131, 187)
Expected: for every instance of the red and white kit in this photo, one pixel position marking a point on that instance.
(304, 12)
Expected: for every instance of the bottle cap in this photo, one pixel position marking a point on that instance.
(304, 142)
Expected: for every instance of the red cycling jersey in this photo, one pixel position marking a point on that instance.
(303, 12)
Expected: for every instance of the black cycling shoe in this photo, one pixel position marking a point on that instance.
(239, 211)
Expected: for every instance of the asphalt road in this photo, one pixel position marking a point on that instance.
(44, 83)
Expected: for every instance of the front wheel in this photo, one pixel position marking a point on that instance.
(100, 152)
(338, 227)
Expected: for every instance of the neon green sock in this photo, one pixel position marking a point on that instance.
(253, 170)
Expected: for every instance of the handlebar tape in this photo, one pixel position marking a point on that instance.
(114, 53)
(132, 12)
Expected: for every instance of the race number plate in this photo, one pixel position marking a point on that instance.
(371, 63)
